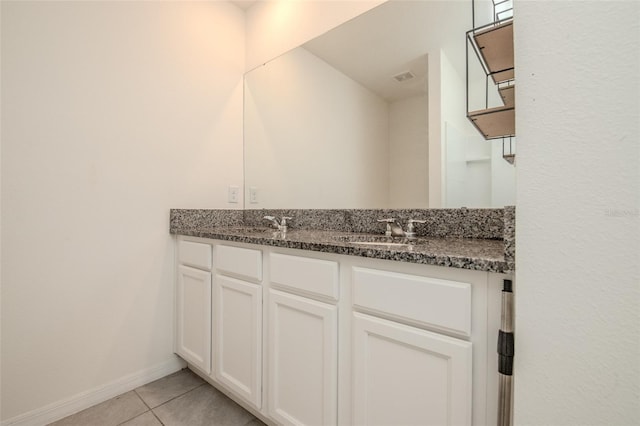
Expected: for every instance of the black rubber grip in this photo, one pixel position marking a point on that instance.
(505, 343)
(505, 365)
(505, 352)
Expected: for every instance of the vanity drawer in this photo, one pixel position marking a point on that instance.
(429, 301)
(314, 276)
(243, 262)
(195, 254)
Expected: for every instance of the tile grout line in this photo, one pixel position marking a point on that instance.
(178, 396)
(134, 417)
(149, 409)
(175, 397)
(145, 404)
(141, 399)
(157, 418)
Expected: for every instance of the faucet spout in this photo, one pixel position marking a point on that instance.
(279, 225)
(273, 220)
(396, 229)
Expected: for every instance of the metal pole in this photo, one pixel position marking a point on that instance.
(473, 14)
(486, 91)
(466, 51)
(505, 356)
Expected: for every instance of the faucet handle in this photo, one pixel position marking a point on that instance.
(410, 231)
(388, 221)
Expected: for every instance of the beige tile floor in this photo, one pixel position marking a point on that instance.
(180, 399)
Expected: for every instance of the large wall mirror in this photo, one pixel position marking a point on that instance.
(372, 114)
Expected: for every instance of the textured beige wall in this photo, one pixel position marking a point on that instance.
(577, 358)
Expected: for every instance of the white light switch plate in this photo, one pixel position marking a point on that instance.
(233, 193)
(253, 195)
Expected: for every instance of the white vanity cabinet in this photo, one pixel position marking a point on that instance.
(193, 304)
(308, 338)
(237, 321)
(303, 340)
(404, 374)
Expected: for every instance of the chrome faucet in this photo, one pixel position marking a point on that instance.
(280, 225)
(411, 233)
(394, 229)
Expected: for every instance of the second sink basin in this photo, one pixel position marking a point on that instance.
(374, 240)
(373, 243)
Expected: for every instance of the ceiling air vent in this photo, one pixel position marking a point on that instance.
(403, 76)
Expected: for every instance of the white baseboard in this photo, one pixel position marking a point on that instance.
(66, 407)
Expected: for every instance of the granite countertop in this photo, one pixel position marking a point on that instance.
(467, 253)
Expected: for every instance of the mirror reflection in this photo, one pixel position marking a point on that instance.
(372, 114)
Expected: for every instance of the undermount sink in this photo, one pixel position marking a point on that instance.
(252, 230)
(377, 243)
(374, 240)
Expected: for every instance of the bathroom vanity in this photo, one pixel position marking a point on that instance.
(333, 327)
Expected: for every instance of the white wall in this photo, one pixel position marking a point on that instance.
(409, 153)
(274, 27)
(578, 220)
(113, 112)
(305, 118)
(467, 161)
(503, 174)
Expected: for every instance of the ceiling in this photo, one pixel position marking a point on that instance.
(244, 4)
(393, 38)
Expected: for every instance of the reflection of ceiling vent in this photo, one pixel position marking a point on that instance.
(403, 76)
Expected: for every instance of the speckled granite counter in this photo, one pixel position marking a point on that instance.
(468, 253)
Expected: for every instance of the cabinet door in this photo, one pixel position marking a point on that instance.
(302, 351)
(238, 337)
(403, 375)
(193, 314)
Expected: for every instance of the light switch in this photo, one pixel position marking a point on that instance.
(233, 193)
